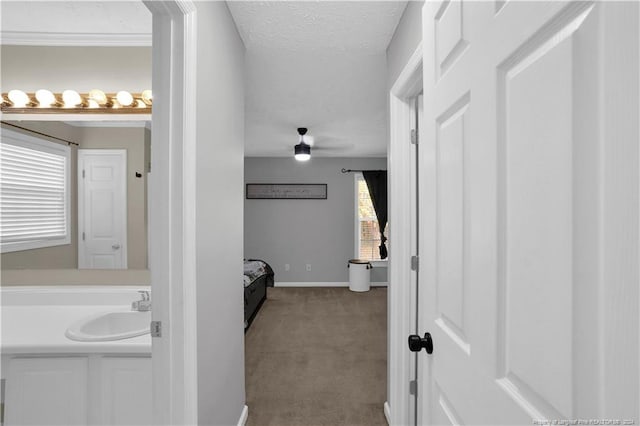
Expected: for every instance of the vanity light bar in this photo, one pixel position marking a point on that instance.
(71, 102)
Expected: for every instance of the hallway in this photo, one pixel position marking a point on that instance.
(317, 356)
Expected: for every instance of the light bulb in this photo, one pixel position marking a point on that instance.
(302, 152)
(93, 104)
(124, 98)
(98, 96)
(147, 97)
(71, 98)
(18, 98)
(45, 98)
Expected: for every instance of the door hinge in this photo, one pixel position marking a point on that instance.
(414, 137)
(83, 236)
(413, 387)
(156, 328)
(83, 174)
(415, 263)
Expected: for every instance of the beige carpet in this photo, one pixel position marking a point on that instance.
(318, 356)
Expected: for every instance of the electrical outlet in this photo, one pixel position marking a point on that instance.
(308, 267)
(287, 267)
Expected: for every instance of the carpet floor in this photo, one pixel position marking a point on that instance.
(316, 357)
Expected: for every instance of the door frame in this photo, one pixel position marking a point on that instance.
(124, 241)
(408, 85)
(172, 206)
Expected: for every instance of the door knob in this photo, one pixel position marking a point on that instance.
(416, 343)
(115, 246)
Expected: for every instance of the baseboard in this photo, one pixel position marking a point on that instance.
(387, 412)
(243, 416)
(322, 284)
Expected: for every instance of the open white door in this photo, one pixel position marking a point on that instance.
(529, 213)
(102, 208)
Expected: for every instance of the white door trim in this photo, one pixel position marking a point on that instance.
(408, 84)
(172, 201)
(125, 240)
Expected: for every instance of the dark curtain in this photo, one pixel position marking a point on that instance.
(377, 184)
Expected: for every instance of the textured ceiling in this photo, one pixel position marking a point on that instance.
(340, 98)
(316, 64)
(339, 26)
(75, 22)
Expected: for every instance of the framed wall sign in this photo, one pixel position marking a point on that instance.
(287, 191)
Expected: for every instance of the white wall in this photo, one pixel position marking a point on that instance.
(219, 207)
(300, 232)
(407, 36)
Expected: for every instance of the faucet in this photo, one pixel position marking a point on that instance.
(144, 304)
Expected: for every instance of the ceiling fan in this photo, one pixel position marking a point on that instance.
(302, 151)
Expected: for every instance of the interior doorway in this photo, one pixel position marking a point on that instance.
(403, 271)
(102, 208)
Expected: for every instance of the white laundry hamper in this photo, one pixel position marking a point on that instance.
(359, 275)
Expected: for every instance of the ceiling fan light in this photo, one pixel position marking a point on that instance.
(303, 157)
(302, 152)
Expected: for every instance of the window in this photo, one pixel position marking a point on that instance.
(367, 228)
(34, 192)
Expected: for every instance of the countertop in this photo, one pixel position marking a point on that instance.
(40, 329)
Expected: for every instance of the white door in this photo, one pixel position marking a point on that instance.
(102, 208)
(529, 212)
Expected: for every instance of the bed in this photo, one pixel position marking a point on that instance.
(258, 275)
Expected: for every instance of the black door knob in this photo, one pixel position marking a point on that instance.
(416, 343)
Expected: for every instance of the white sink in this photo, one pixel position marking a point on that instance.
(110, 326)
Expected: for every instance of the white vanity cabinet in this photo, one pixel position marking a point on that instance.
(125, 391)
(46, 391)
(95, 389)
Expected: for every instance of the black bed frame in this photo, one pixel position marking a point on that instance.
(254, 296)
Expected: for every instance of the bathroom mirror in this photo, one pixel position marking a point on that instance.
(104, 149)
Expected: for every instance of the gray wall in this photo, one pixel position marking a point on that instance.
(66, 256)
(405, 40)
(300, 232)
(219, 174)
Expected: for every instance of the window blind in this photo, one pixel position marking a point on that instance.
(33, 190)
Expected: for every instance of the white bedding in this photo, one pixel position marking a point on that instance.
(254, 269)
